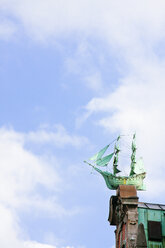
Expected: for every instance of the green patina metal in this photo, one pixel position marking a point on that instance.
(105, 160)
(99, 155)
(133, 156)
(137, 172)
(116, 157)
(154, 213)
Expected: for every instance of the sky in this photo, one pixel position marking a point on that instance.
(73, 76)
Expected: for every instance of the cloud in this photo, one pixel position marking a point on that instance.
(22, 175)
(21, 169)
(8, 228)
(138, 105)
(7, 29)
(132, 32)
(39, 245)
(82, 63)
(94, 81)
(122, 24)
(57, 136)
(121, 21)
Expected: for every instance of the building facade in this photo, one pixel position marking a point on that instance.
(137, 224)
(153, 218)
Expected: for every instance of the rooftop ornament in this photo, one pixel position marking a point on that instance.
(137, 171)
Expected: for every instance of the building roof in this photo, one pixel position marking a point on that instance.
(151, 206)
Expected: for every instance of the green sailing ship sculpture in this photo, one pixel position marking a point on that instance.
(137, 172)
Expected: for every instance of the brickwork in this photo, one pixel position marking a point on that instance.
(124, 215)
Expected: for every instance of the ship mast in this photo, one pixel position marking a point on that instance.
(133, 156)
(116, 157)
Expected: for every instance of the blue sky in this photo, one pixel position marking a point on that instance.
(74, 75)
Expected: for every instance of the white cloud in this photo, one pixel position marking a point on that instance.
(82, 63)
(21, 174)
(7, 29)
(57, 136)
(121, 21)
(21, 169)
(131, 29)
(138, 105)
(9, 229)
(31, 244)
(94, 81)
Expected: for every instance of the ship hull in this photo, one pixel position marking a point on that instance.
(113, 181)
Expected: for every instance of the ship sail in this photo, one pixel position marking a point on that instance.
(98, 158)
(105, 160)
(116, 157)
(137, 173)
(133, 156)
(99, 155)
(139, 167)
